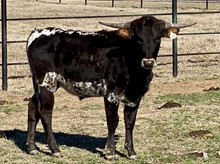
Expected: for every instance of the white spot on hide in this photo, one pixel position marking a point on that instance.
(48, 32)
(37, 33)
(86, 33)
(113, 98)
(128, 102)
(81, 89)
(50, 81)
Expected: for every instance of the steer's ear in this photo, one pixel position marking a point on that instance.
(171, 32)
(125, 33)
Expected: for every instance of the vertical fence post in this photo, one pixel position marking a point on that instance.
(174, 20)
(85, 2)
(207, 4)
(4, 45)
(141, 3)
(113, 3)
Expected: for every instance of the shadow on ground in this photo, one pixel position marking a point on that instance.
(86, 142)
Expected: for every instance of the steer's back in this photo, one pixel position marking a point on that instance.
(74, 60)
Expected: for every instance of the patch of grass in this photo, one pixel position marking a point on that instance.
(213, 77)
(92, 107)
(11, 108)
(204, 98)
(167, 138)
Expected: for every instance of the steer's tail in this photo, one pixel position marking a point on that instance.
(36, 96)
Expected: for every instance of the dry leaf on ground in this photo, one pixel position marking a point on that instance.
(213, 89)
(205, 134)
(170, 104)
(200, 154)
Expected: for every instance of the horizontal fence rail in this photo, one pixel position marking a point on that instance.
(4, 21)
(198, 33)
(165, 55)
(141, 1)
(108, 16)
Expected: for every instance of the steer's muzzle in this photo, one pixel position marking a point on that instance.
(148, 63)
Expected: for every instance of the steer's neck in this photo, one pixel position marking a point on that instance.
(110, 39)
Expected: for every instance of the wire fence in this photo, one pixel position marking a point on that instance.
(114, 16)
(174, 14)
(141, 3)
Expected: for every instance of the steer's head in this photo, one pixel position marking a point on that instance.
(146, 33)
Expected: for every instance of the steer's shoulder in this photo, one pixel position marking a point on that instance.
(36, 33)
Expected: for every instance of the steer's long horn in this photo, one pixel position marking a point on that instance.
(116, 25)
(178, 25)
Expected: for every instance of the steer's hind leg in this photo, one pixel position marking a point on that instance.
(47, 102)
(33, 118)
(112, 123)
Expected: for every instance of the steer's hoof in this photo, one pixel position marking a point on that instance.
(132, 157)
(33, 152)
(111, 157)
(57, 155)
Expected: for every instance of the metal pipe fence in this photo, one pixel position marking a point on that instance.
(4, 44)
(141, 3)
(174, 47)
(174, 14)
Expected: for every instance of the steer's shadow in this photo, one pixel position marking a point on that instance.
(87, 142)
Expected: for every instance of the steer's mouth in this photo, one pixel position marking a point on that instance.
(148, 63)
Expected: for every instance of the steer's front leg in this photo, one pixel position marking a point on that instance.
(130, 114)
(111, 110)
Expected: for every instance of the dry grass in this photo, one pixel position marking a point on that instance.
(80, 128)
(19, 30)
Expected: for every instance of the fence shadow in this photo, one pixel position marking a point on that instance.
(86, 142)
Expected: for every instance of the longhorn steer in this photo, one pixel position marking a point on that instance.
(104, 63)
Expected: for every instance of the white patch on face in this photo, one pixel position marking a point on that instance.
(113, 98)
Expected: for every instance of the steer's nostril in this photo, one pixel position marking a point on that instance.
(148, 63)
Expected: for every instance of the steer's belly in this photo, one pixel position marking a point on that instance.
(92, 88)
(86, 89)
